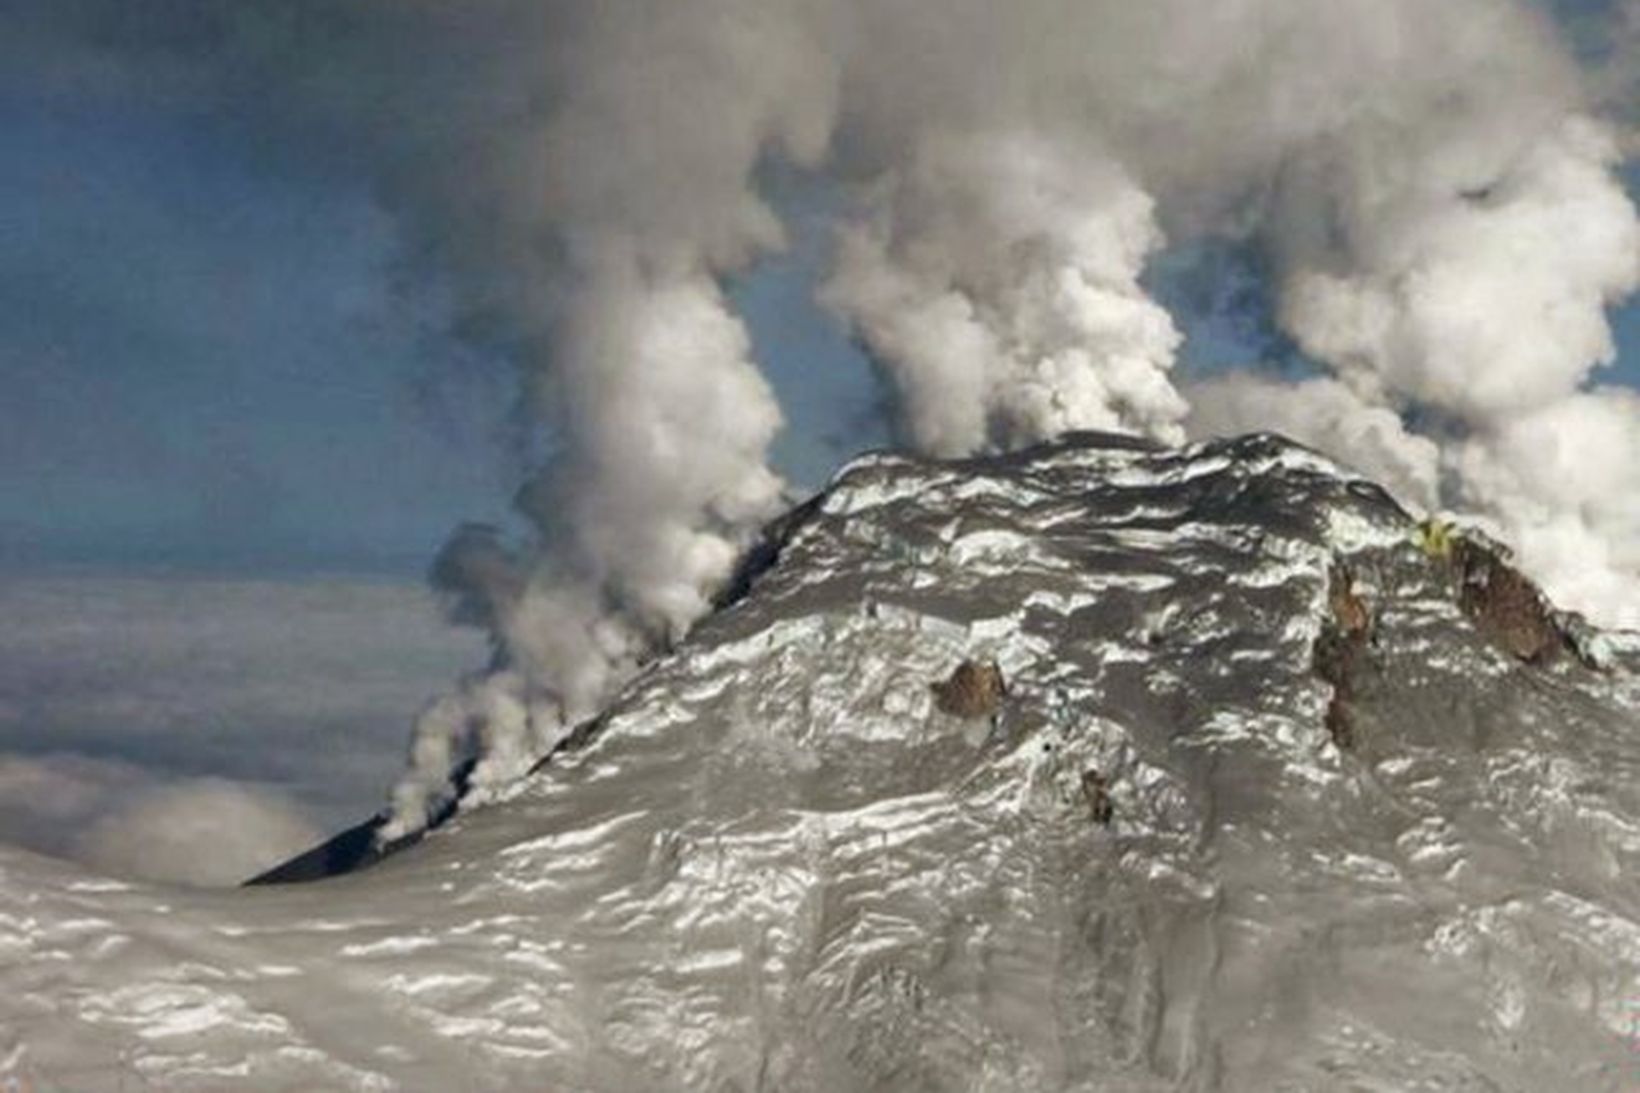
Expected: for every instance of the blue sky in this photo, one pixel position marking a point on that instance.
(207, 364)
(211, 361)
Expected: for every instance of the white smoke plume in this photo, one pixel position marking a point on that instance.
(1485, 297)
(1433, 186)
(997, 279)
(1329, 416)
(642, 372)
(1562, 483)
(1469, 275)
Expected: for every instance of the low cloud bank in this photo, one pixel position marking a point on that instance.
(197, 730)
(208, 832)
(127, 822)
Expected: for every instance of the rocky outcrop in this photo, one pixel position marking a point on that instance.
(1504, 604)
(1096, 791)
(974, 690)
(1341, 649)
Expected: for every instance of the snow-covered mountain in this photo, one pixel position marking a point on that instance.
(1099, 767)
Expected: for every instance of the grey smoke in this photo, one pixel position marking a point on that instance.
(1434, 186)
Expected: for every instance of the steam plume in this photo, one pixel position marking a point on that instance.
(1433, 186)
(642, 373)
(997, 279)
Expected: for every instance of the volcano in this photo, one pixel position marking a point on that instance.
(1097, 766)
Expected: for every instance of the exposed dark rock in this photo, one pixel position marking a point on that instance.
(765, 552)
(1097, 790)
(973, 691)
(1503, 604)
(358, 847)
(1341, 648)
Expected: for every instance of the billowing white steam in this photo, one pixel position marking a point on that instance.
(1432, 186)
(1328, 415)
(643, 374)
(1434, 192)
(997, 279)
(1484, 297)
(1470, 279)
(1563, 483)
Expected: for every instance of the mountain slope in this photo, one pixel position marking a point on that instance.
(1271, 798)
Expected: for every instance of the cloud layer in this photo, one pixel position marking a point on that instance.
(271, 708)
(129, 822)
(207, 832)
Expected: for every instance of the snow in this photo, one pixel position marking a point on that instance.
(778, 866)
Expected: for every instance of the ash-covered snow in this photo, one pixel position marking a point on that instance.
(776, 865)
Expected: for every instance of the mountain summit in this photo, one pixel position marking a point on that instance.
(1099, 766)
